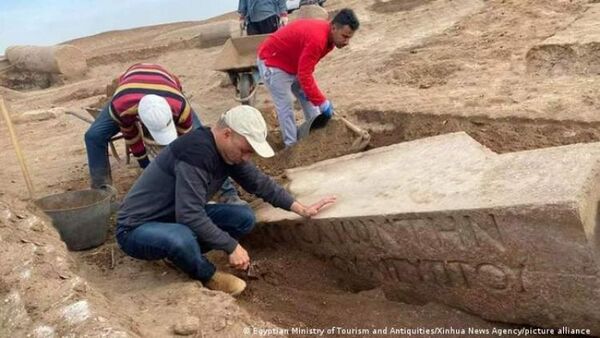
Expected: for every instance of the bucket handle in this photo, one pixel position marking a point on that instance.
(112, 191)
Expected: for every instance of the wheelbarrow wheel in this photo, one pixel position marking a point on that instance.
(245, 84)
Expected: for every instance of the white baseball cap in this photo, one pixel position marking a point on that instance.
(155, 113)
(248, 122)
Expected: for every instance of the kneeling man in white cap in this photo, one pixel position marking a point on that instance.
(166, 213)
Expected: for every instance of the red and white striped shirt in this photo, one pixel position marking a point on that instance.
(143, 79)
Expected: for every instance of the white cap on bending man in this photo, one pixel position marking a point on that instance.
(156, 115)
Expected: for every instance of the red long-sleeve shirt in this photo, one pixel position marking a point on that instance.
(296, 49)
(139, 80)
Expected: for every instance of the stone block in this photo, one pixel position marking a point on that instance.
(510, 237)
(66, 60)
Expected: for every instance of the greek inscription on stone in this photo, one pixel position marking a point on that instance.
(402, 270)
(396, 231)
(348, 232)
(450, 233)
(434, 272)
(426, 233)
(378, 237)
(446, 274)
(348, 229)
(356, 231)
(429, 235)
(485, 231)
(456, 273)
(461, 232)
(329, 232)
(492, 276)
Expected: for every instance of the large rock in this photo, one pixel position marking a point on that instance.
(510, 237)
(66, 60)
(571, 51)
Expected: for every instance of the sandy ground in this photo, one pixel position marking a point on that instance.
(414, 69)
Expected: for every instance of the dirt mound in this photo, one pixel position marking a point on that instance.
(28, 80)
(79, 94)
(297, 290)
(556, 60)
(573, 50)
(10, 94)
(420, 75)
(47, 290)
(38, 284)
(334, 140)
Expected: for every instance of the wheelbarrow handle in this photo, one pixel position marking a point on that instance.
(86, 119)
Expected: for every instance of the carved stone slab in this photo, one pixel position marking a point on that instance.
(510, 237)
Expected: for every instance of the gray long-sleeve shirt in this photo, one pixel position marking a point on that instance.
(259, 10)
(176, 186)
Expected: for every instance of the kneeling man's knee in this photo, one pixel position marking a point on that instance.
(247, 220)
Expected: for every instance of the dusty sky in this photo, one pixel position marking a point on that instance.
(47, 22)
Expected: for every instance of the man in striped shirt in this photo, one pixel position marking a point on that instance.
(122, 114)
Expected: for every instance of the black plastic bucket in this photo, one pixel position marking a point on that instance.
(81, 217)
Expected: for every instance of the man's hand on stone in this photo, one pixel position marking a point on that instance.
(313, 209)
(239, 258)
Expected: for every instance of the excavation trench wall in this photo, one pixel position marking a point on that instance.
(502, 135)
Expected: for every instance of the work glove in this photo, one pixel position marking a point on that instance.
(144, 162)
(326, 109)
(283, 19)
(242, 24)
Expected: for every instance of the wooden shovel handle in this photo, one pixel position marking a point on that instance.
(15, 142)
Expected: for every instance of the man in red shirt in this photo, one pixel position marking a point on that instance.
(287, 60)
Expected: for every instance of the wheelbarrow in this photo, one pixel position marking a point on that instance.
(238, 60)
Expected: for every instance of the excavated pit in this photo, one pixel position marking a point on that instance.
(22, 80)
(296, 288)
(499, 135)
(386, 128)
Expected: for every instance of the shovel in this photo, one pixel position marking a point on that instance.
(320, 121)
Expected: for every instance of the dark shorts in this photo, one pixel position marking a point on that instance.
(266, 26)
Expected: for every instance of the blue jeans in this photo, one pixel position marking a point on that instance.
(282, 85)
(96, 144)
(178, 243)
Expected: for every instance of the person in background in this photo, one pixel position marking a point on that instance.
(287, 60)
(262, 16)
